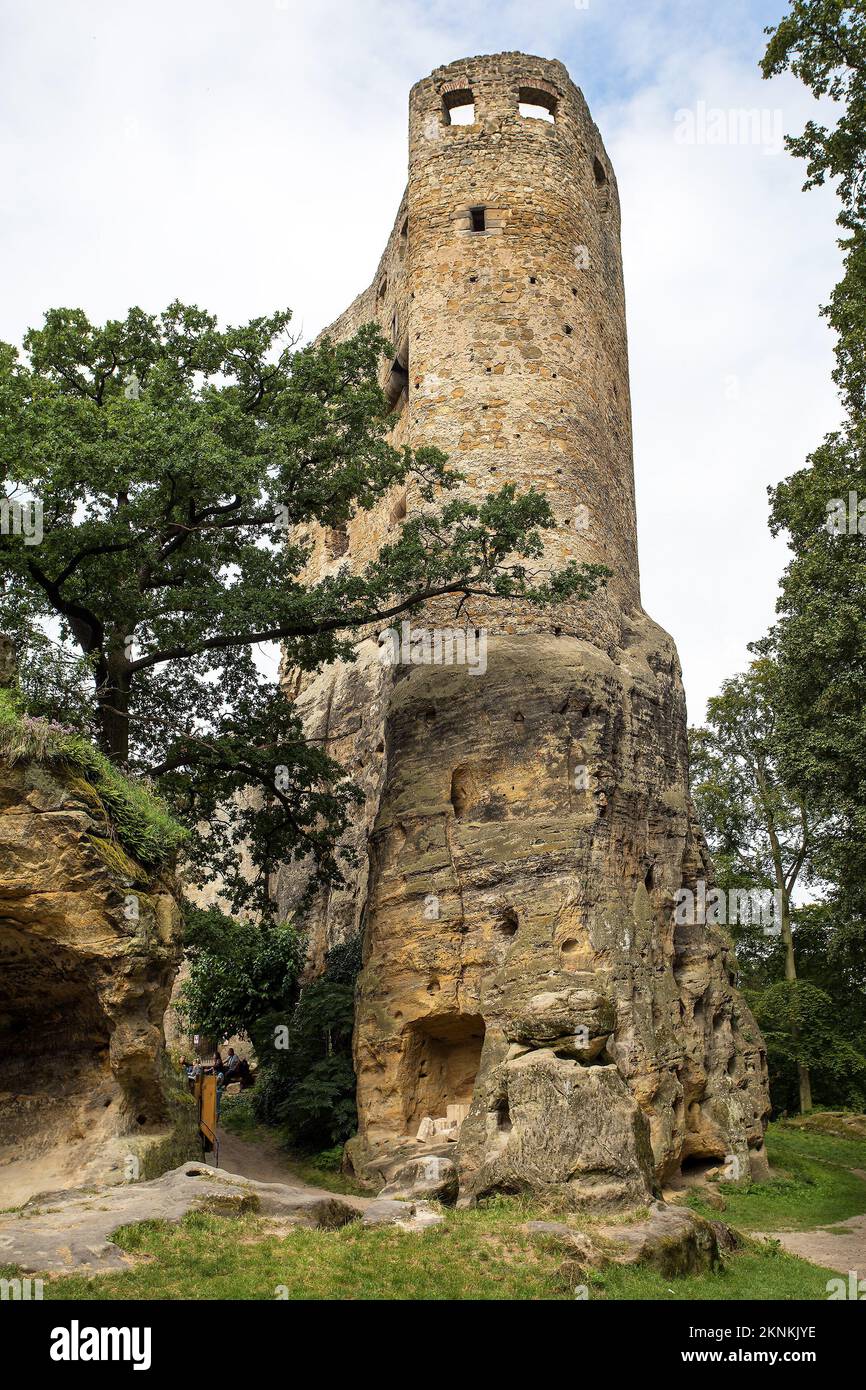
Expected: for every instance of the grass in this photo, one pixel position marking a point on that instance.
(480, 1254)
(766, 1273)
(475, 1255)
(138, 819)
(813, 1183)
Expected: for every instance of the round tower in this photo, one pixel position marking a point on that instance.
(527, 1014)
(517, 352)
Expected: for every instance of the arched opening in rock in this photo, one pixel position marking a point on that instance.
(458, 107)
(694, 1167)
(440, 1062)
(464, 790)
(503, 1116)
(507, 922)
(534, 104)
(54, 1036)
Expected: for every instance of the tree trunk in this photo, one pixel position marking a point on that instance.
(805, 1080)
(113, 699)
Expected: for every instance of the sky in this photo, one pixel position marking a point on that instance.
(249, 156)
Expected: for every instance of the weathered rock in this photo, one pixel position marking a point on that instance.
(68, 1230)
(672, 1240)
(527, 816)
(89, 945)
(424, 1177)
(578, 1243)
(544, 1122)
(408, 1216)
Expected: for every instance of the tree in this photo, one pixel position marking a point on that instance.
(307, 1080)
(238, 972)
(757, 829)
(181, 469)
(819, 640)
(823, 42)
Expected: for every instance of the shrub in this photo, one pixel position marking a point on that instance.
(309, 1084)
(134, 814)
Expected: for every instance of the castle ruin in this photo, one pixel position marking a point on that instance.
(527, 1009)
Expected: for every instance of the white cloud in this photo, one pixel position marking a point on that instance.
(250, 156)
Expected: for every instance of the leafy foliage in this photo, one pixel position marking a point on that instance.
(757, 826)
(310, 1084)
(820, 637)
(823, 42)
(799, 1025)
(239, 971)
(183, 470)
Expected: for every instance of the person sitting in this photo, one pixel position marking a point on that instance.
(233, 1061)
(243, 1075)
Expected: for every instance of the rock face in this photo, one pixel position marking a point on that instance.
(527, 820)
(89, 946)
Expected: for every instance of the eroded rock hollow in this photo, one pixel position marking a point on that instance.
(527, 1010)
(89, 946)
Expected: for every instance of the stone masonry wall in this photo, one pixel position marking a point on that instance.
(526, 1004)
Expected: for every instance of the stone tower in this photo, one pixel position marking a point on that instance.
(526, 1003)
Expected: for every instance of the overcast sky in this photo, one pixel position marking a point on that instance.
(245, 156)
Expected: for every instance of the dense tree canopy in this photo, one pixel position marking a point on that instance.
(819, 640)
(180, 468)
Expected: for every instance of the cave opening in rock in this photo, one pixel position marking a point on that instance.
(695, 1166)
(52, 1025)
(440, 1062)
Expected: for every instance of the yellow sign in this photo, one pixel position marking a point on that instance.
(206, 1094)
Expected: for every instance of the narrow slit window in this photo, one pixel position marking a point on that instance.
(536, 105)
(459, 107)
(478, 219)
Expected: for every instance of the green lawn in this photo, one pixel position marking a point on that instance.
(483, 1254)
(813, 1186)
(475, 1255)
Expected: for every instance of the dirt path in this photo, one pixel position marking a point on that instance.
(841, 1246)
(252, 1160)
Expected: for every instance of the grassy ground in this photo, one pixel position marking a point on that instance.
(475, 1255)
(483, 1254)
(813, 1183)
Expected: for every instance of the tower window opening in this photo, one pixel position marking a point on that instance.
(534, 104)
(396, 386)
(478, 219)
(459, 107)
(602, 184)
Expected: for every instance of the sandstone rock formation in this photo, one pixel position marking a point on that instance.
(526, 827)
(89, 945)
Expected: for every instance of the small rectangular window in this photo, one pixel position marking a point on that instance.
(459, 107)
(536, 105)
(462, 115)
(478, 219)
